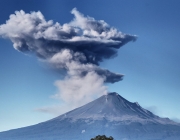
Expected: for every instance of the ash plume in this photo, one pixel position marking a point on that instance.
(76, 47)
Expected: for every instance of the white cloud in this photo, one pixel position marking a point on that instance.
(76, 47)
(77, 91)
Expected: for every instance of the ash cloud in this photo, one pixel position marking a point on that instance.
(77, 47)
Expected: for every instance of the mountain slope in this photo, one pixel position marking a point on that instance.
(113, 107)
(110, 115)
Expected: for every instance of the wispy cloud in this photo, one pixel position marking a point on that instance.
(55, 110)
(176, 119)
(155, 110)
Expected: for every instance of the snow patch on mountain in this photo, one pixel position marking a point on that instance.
(113, 107)
(110, 115)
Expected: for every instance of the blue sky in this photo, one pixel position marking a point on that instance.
(150, 65)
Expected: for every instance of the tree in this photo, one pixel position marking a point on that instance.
(103, 137)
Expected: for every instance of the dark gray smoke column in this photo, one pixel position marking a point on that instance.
(76, 47)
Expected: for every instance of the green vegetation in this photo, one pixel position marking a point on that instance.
(103, 137)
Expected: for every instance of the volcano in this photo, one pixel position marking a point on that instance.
(110, 115)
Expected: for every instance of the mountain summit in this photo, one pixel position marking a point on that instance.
(110, 114)
(113, 107)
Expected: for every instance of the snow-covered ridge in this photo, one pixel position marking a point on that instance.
(110, 114)
(114, 107)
